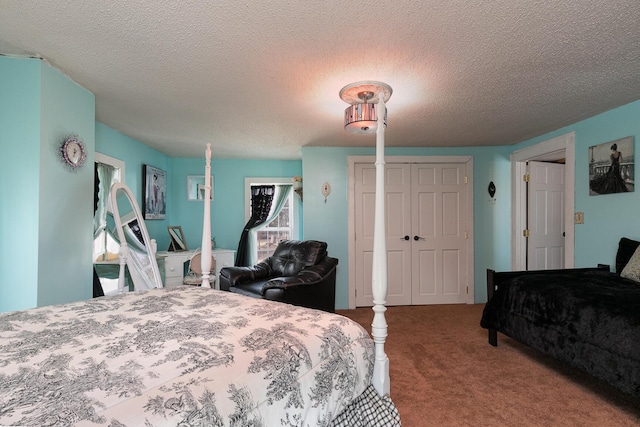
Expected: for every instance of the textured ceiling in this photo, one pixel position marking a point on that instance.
(260, 78)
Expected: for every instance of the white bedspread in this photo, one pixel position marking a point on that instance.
(182, 356)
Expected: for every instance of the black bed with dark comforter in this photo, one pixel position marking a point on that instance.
(589, 318)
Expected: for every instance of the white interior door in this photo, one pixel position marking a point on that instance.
(440, 256)
(398, 223)
(546, 241)
(560, 147)
(426, 233)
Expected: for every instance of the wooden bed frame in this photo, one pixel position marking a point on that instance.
(188, 346)
(380, 379)
(379, 327)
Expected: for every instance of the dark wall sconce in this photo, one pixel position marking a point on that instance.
(492, 189)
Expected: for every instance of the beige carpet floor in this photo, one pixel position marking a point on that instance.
(444, 373)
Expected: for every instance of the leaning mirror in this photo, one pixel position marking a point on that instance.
(137, 250)
(195, 187)
(178, 243)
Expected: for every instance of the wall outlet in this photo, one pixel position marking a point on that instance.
(579, 218)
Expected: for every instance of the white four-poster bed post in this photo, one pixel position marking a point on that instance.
(379, 274)
(205, 259)
(364, 118)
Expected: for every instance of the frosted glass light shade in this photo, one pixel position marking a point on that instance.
(362, 118)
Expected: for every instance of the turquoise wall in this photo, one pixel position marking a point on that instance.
(49, 216)
(47, 221)
(19, 182)
(228, 205)
(135, 155)
(607, 217)
(610, 216)
(329, 221)
(66, 197)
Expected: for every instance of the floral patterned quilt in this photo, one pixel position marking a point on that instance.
(184, 356)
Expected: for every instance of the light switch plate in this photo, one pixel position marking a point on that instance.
(579, 218)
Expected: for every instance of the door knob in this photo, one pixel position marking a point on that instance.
(405, 238)
(416, 238)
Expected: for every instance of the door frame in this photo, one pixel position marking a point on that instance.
(351, 185)
(552, 149)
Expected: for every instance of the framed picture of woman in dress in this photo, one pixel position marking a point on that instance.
(154, 203)
(611, 167)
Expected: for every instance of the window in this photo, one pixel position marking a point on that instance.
(280, 228)
(109, 171)
(283, 226)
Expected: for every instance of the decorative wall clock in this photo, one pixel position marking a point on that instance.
(73, 152)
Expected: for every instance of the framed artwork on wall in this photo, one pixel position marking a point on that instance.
(611, 167)
(154, 202)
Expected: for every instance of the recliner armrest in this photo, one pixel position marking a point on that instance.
(309, 276)
(232, 276)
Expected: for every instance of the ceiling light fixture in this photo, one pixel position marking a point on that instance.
(362, 115)
(366, 99)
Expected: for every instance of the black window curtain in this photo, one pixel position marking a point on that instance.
(261, 199)
(97, 286)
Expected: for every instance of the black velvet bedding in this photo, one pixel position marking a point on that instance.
(588, 318)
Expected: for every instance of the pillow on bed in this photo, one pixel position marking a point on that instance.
(632, 269)
(626, 249)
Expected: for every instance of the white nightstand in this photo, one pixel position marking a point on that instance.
(174, 266)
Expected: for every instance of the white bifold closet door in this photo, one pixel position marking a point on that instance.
(426, 232)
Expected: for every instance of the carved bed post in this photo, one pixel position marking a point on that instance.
(379, 273)
(205, 259)
(364, 118)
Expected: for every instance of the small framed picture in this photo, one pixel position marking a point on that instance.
(196, 187)
(611, 167)
(177, 240)
(154, 203)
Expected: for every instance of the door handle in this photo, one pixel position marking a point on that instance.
(404, 238)
(416, 238)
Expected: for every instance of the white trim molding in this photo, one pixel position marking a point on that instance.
(560, 147)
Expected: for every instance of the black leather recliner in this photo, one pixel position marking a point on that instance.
(298, 273)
